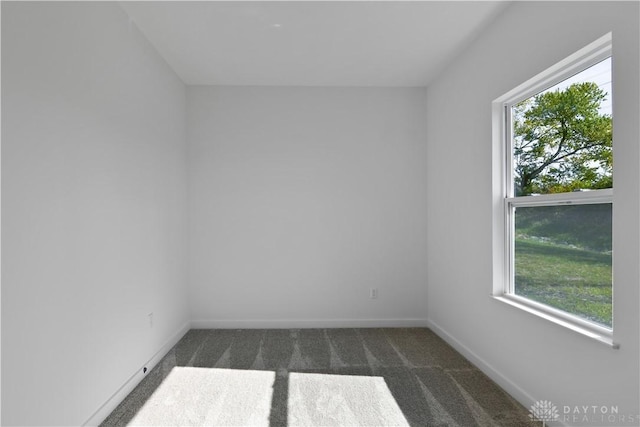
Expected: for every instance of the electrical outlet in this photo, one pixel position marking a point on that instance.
(150, 320)
(373, 293)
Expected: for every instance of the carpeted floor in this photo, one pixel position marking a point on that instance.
(316, 377)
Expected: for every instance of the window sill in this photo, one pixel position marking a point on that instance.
(603, 336)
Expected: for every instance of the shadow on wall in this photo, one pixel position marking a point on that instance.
(284, 377)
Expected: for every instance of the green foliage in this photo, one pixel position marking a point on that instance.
(574, 280)
(561, 141)
(586, 227)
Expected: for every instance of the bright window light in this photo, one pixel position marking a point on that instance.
(557, 180)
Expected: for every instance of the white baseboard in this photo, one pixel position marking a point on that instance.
(135, 379)
(514, 390)
(306, 323)
(509, 386)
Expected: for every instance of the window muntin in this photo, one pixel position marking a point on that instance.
(556, 265)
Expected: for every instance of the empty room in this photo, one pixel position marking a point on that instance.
(320, 213)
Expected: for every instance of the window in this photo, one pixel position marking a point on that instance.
(557, 192)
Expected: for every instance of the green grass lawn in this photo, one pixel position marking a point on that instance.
(575, 280)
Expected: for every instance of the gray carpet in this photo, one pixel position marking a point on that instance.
(316, 377)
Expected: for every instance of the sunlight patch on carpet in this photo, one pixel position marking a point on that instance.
(207, 396)
(338, 400)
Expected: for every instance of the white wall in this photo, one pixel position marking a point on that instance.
(93, 208)
(533, 358)
(301, 200)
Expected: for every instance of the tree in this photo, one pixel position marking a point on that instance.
(561, 141)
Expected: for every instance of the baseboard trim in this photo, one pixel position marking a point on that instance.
(306, 323)
(517, 392)
(126, 388)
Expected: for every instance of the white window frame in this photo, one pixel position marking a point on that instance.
(506, 203)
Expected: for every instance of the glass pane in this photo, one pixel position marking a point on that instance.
(562, 136)
(563, 258)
